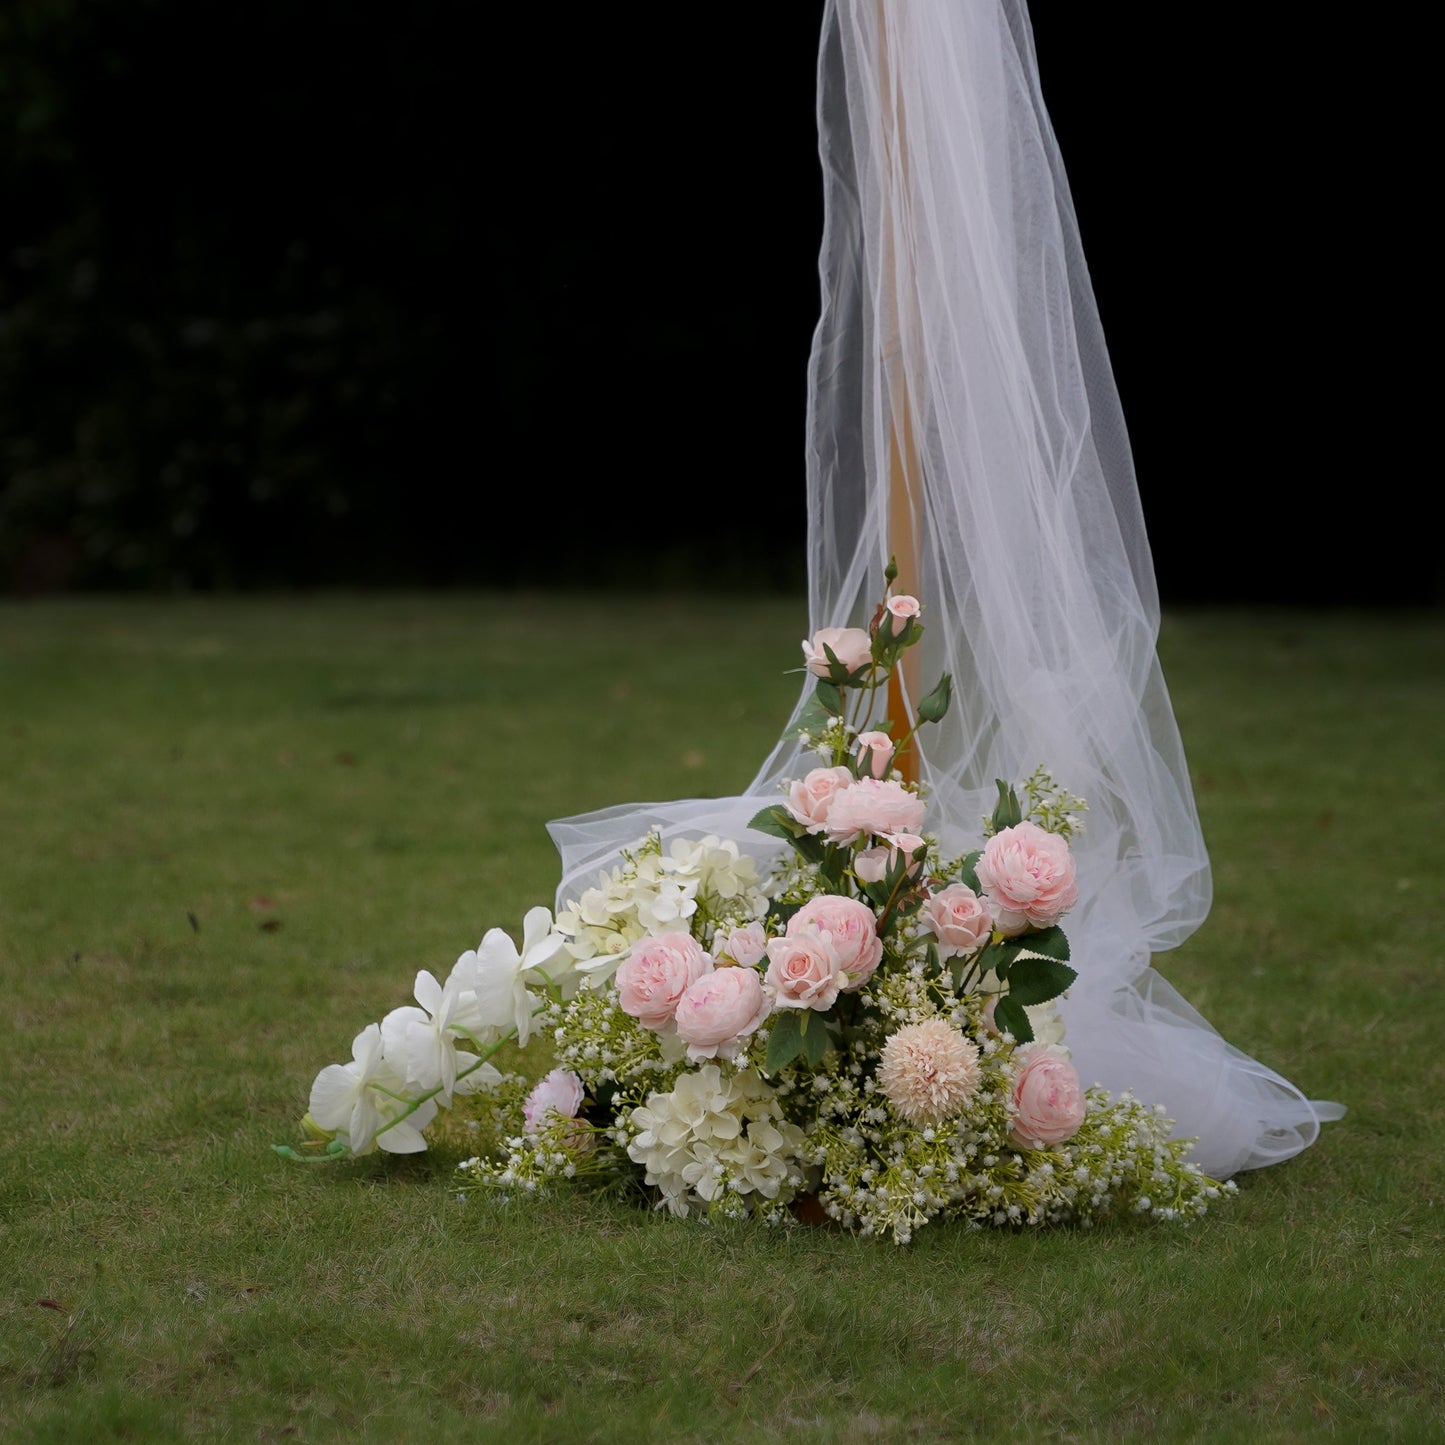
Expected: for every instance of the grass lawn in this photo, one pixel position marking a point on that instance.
(231, 831)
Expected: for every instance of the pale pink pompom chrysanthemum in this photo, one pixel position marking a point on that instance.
(928, 1071)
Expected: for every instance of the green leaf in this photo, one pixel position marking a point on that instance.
(878, 893)
(1037, 980)
(827, 696)
(968, 869)
(783, 912)
(776, 823)
(813, 720)
(998, 956)
(958, 968)
(934, 707)
(1009, 1017)
(815, 1042)
(1006, 813)
(809, 848)
(1048, 941)
(785, 1042)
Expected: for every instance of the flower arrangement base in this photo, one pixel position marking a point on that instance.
(808, 1209)
(835, 1022)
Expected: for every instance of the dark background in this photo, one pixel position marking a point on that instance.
(343, 293)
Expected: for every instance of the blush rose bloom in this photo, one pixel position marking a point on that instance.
(804, 971)
(810, 799)
(871, 806)
(560, 1093)
(720, 1010)
(852, 931)
(746, 946)
(850, 645)
(875, 753)
(958, 919)
(901, 611)
(1048, 1100)
(1029, 878)
(656, 974)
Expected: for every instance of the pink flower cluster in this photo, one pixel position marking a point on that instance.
(670, 984)
(831, 946)
(831, 802)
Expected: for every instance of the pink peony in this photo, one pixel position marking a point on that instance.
(1028, 876)
(871, 806)
(559, 1092)
(720, 1010)
(901, 611)
(928, 1071)
(958, 919)
(746, 945)
(850, 645)
(657, 972)
(875, 753)
(1048, 1101)
(804, 971)
(852, 931)
(811, 799)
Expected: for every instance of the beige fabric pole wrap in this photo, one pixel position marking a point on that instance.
(905, 484)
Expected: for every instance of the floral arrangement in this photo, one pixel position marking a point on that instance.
(868, 1033)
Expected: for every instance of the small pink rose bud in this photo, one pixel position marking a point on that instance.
(875, 753)
(902, 610)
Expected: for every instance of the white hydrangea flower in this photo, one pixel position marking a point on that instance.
(712, 1133)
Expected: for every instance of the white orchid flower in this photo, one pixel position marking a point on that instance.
(345, 1096)
(502, 997)
(423, 1041)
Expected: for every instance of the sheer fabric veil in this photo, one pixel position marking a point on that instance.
(962, 414)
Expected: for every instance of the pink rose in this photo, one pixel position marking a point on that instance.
(875, 753)
(746, 945)
(811, 799)
(720, 1010)
(655, 975)
(560, 1093)
(852, 931)
(804, 971)
(902, 610)
(958, 919)
(1048, 1101)
(871, 806)
(1028, 876)
(850, 645)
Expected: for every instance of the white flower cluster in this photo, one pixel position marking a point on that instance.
(708, 882)
(1052, 807)
(412, 1063)
(717, 1137)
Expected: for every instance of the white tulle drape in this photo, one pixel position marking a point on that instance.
(963, 415)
